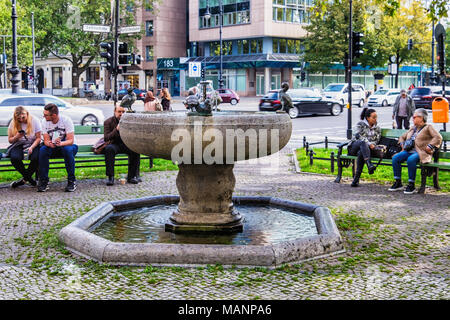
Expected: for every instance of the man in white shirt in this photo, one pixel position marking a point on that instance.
(59, 141)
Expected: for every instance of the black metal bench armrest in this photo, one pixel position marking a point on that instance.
(340, 146)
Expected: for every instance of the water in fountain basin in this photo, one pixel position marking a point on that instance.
(262, 225)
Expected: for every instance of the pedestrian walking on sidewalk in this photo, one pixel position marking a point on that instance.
(403, 110)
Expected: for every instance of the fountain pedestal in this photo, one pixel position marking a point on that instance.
(205, 200)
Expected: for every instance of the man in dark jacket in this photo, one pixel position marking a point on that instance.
(115, 146)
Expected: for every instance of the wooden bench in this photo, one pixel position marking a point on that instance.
(427, 170)
(85, 156)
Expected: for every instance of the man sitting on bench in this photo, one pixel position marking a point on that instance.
(59, 141)
(115, 146)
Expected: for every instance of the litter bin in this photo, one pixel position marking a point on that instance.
(440, 110)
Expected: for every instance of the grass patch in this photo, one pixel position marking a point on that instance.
(383, 174)
(96, 172)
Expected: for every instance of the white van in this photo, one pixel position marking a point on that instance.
(383, 97)
(338, 91)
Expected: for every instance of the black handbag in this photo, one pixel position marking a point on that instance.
(392, 147)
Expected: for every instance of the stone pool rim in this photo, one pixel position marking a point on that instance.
(80, 241)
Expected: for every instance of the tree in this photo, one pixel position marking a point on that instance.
(327, 40)
(64, 38)
(384, 34)
(409, 23)
(24, 45)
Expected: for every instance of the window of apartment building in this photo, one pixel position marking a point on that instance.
(292, 11)
(245, 46)
(227, 48)
(149, 28)
(57, 78)
(149, 53)
(286, 46)
(235, 12)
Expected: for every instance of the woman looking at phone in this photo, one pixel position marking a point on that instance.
(24, 134)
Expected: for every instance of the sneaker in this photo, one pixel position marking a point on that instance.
(17, 183)
(42, 187)
(396, 186)
(410, 189)
(71, 186)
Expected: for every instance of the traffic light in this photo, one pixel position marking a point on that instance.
(410, 44)
(357, 44)
(441, 53)
(302, 76)
(125, 58)
(203, 73)
(108, 55)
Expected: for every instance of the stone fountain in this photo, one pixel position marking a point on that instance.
(205, 146)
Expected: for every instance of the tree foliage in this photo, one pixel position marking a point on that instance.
(385, 34)
(61, 24)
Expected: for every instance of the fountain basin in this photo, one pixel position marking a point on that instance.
(80, 240)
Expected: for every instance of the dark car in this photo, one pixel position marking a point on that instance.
(423, 96)
(312, 101)
(228, 96)
(270, 102)
(305, 101)
(140, 94)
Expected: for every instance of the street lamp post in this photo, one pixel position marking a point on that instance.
(14, 70)
(221, 53)
(207, 17)
(349, 73)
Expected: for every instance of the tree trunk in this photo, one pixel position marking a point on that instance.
(75, 81)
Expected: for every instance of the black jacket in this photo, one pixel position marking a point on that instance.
(111, 134)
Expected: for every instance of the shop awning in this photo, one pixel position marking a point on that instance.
(262, 60)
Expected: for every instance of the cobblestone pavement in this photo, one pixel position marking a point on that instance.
(397, 246)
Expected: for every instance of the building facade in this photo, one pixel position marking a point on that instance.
(261, 46)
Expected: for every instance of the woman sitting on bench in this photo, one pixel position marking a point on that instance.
(24, 134)
(366, 136)
(418, 144)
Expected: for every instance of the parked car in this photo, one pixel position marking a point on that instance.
(339, 92)
(424, 96)
(140, 94)
(270, 102)
(305, 101)
(383, 97)
(35, 103)
(312, 101)
(228, 96)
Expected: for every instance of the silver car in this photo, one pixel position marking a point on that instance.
(35, 103)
